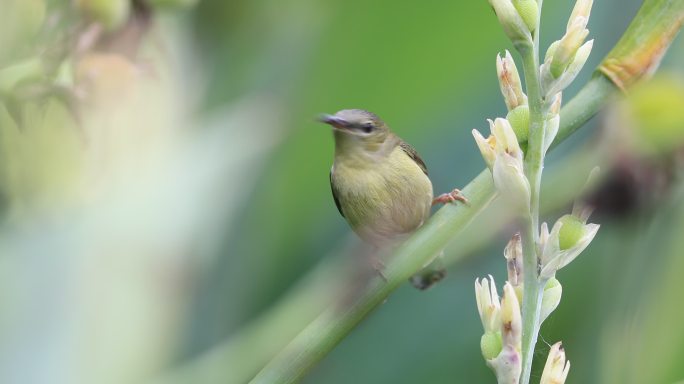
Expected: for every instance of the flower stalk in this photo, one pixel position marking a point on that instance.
(543, 253)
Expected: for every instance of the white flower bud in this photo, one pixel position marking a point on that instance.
(488, 304)
(504, 157)
(582, 9)
(513, 255)
(554, 85)
(557, 367)
(509, 81)
(513, 24)
(511, 319)
(486, 147)
(567, 47)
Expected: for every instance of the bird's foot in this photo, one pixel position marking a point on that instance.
(450, 197)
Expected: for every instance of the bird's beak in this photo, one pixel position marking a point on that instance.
(334, 121)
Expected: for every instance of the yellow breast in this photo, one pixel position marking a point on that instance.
(383, 198)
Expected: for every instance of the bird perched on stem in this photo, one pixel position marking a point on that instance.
(380, 184)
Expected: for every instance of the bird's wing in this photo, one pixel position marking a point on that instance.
(414, 155)
(337, 200)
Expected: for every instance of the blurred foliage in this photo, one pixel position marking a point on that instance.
(191, 191)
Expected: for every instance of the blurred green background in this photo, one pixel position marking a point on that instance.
(178, 251)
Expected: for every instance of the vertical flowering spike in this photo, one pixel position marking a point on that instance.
(513, 24)
(557, 367)
(509, 81)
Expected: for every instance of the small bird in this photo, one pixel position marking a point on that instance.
(380, 184)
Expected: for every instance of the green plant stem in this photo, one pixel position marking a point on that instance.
(534, 163)
(531, 306)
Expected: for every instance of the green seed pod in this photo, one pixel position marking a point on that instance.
(571, 232)
(491, 345)
(112, 14)
(172, 4)
(519, 118)
(529, 11)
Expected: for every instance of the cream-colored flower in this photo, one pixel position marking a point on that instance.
(501, 345)
(511, 319)
(488, 304)
(557, 367)
(504, 157)
(509, 81)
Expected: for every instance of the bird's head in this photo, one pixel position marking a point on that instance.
(357, 129)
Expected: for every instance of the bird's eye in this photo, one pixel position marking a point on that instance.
(367, 128)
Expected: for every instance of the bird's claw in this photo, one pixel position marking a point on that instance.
(450, 197)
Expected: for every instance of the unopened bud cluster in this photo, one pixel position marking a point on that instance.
(519, 18)
(565, 57)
